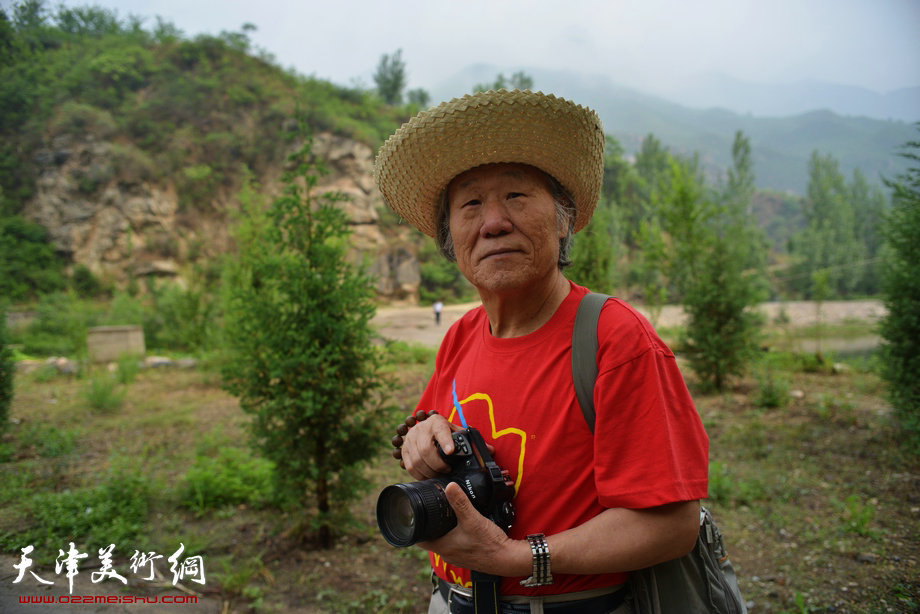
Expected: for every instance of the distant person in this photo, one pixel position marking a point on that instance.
(438, 308)
(502, 180)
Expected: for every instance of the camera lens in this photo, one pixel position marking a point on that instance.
(410, 513)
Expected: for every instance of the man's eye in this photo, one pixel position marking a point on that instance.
(515, 195)
(471, 203)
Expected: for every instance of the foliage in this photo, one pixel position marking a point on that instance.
(390, 77)
(593, 252)
(59, 327)
(7, 371)
(28, 265)
(840, 238)
(194, 111)
(718, 261)
(901, 286)
(300, 356)
(227, 477)
(440, 278)
(184, 319)
(102, 393)
(518, 81)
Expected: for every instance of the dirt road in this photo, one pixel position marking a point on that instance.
(416, 324)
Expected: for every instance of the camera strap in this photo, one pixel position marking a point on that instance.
(485, 593)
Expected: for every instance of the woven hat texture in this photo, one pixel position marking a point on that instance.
(561, 138)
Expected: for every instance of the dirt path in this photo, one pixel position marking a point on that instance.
(416, 324)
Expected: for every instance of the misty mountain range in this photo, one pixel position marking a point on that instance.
(785, 123)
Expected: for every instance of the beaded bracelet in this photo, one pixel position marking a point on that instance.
(401, 430)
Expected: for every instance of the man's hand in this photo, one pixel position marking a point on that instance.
(478, 543)
(419, 454)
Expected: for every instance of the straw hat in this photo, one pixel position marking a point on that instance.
(415, 165)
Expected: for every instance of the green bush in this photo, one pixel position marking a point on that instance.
(901, 287)
(59, 327)
(28, 264)
(772, 388)
(103, 393)
(230, 477)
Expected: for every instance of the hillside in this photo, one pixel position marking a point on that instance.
(781, 145)
(130, 147)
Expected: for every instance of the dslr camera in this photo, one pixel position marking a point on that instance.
(419, 511)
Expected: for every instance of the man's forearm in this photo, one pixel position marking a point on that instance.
(619, 539)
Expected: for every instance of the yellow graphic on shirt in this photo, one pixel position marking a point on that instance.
(495, 433)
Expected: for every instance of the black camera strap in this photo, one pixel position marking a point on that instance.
(485, 593)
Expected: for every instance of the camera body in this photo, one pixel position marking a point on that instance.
(419, 511)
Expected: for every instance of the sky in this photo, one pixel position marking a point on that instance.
(653, 45)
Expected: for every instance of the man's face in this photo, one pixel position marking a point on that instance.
(503, 225)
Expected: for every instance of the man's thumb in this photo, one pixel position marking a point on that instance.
(458, 500)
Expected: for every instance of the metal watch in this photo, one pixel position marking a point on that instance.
(541, 575)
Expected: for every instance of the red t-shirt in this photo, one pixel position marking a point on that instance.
(649, 447)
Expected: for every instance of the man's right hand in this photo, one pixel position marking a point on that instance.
(419, 454)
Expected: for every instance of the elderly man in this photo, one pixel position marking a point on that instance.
(502, 180)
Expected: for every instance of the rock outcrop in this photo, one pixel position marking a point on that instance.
(105, 209)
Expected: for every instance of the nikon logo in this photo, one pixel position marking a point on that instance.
(469, 488)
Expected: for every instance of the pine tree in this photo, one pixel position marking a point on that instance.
(300, 357)
(391, 77)
(718, 264)
(901, 289)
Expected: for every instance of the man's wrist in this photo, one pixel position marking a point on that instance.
(541, 569)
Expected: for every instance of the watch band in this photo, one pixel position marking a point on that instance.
(542, 574)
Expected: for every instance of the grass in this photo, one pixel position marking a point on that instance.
(818, 504)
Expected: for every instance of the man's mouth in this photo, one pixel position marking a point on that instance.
(499, 252)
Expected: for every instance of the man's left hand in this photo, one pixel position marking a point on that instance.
(478, 543)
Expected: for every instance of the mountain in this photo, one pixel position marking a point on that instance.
(782, 145)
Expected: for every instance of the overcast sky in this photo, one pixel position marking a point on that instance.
(651, 44)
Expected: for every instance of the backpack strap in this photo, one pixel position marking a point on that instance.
(584, 352)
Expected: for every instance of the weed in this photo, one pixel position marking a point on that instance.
(48, 440)
(772, 389)
(128, 366)
(858, 516)
(102, 393)
(726, 489)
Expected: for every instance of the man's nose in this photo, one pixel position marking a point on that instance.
(495, 219)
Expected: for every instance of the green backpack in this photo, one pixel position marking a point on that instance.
(703, 581)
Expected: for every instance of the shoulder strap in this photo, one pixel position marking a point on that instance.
(584, 352)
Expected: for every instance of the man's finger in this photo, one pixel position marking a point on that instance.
(459, 501)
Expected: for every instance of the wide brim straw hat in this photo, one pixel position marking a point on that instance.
(566, 140)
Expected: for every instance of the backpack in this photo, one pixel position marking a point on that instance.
(702, 581)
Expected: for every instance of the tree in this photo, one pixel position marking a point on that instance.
(300, 355)
(391, 77)
(829, 240)
(594, 251)
(717, 263)
(596, 248)
(900, 328)
(419, 97)
(28, 264)
(518, 81)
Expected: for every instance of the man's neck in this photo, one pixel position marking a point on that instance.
(523, 311)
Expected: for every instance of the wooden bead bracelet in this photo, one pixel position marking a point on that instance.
(401, 430)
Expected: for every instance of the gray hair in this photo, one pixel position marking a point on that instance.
(565, 217)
